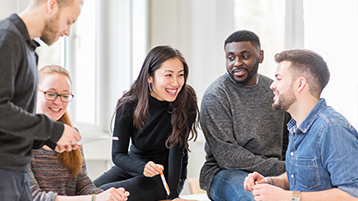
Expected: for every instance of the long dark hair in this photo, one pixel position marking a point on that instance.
(140, 92)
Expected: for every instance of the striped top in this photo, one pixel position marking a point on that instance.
(48, 178)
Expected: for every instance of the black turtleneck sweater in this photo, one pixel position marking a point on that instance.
(149, 144)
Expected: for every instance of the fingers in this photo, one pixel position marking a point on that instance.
(68, 140)
(117, 194)
(151, 169)
(251, 180)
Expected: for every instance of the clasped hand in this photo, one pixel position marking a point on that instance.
(262, 191)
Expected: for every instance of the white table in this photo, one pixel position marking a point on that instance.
(199, 197)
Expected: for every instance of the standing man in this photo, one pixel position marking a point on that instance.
(243, 133)
(20, 128)
(321, 159)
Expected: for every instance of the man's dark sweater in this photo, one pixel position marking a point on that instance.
(20, 129)
(242, 130)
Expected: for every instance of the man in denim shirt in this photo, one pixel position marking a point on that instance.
(321, 159)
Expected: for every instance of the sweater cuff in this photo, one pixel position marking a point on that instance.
(57, 131)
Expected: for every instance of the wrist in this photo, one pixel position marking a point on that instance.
(296, 196)
(268, 180)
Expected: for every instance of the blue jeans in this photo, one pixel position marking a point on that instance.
(228, 185)
(15, 185)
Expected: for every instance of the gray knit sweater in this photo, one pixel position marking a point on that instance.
(242, 130)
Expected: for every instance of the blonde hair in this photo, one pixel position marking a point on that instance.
(71, 160)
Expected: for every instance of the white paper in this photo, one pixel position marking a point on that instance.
(86, 140)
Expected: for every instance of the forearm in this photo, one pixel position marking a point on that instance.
(327, 195)
(74, 198)
(281, 181)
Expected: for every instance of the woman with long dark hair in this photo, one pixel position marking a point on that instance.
(158, 115)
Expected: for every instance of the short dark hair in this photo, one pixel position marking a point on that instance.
(308, 64)
(244, 35)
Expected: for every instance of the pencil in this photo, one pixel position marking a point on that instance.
(165, 184)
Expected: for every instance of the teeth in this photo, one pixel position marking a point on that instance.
(56, 110)
(171, 91)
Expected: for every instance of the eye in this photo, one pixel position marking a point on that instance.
(231, 58)
(246, 56)
(181, 74)
(50, 94)
(66, 96)
(168, 75)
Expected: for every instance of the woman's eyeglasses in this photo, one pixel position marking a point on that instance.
(50, 95)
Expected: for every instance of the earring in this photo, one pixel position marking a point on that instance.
(150, 86)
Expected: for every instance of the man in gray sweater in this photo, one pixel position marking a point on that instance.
(243, 133)
(20, 128)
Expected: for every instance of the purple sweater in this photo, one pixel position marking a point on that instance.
(48, 178)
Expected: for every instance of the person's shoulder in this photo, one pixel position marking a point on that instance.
(329, 115)
(219, 85)
(265, 80)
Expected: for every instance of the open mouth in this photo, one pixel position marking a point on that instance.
(238, 72)
(171, 91)
(54, 109)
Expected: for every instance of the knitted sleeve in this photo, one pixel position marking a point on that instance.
(217, 124)
(123, 129)
(84, 183)
(37, 193)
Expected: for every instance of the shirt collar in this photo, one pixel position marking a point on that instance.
(311, 117)
(20, 25)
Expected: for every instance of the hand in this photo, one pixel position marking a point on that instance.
(68, 140)
(113, 194)
(151, 169)
(252, 179)
(266, 192)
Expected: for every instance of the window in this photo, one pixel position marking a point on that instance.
(104, 53)
(266, 18)
(84, 68)
(332, 32)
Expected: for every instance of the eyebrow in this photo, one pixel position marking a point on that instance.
(53, 89)
(172, 71)
(242, 52)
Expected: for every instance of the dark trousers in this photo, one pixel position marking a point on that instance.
(14, 185)
(140, 187)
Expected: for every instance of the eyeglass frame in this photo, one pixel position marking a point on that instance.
(57, 95)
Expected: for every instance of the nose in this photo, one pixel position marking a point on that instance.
(57, 100)
(238, 61)
(273, 86)
(67, 31)
(175, 82)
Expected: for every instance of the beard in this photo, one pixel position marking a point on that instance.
(250, 73)
(284, 101)
(50, 32)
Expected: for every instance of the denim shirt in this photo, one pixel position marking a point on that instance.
(322, 152)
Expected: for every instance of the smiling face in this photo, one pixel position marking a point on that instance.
(242, 62)
(53, 83)
(168, 80)
(60, 23)
(283, 87)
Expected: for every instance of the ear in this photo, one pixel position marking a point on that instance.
(302, 82)
(150, 79)
(261, 57)
(51, 6)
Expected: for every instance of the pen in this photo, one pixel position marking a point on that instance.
(165, 184)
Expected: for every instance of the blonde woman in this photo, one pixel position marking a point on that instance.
(62, 176)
